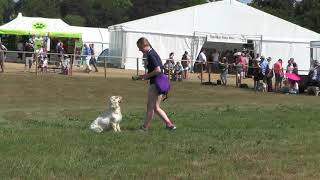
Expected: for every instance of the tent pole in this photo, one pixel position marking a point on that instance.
(260, 51)
(36, 58)
(73, 58)
(105, 68)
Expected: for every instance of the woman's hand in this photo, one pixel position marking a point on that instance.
(143, 77)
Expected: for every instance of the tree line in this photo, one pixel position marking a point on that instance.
(103, 13)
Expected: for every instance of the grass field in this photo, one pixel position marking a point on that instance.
(223, 133)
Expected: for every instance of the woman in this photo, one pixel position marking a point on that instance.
(290, 66)
(278, 73)
(257, 74)
(93, 60)
(155, 67)
(239, 69)
(223, 65)
(185, 64)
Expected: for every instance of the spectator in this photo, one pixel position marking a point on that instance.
(93, 60)
(178, 69)
(185, 64)
(168, 68)
(66, 65)
(29, 55)
(203, 59)
(171, 58)
(223, 65)
(239, 69)
(295, 68)
(269, 75)
(20, 49)
(61, 52)
(290, 66)
(58, 46)
(264, 66)
(250, 64)
(87, 54)
(2, 56)
(42, 56)
(215, 61)
(244, 62)
(201, 63)
(278, 73)
(257, 73)
(314, 75)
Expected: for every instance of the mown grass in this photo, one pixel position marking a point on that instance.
(223, 133)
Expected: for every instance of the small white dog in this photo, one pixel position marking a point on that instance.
(112, 117)
(262, 87)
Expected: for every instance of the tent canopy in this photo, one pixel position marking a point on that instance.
(39, 26)
(227, 17)
(93, 35)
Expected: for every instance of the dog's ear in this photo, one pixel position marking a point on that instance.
(112, 98)
(119, 99)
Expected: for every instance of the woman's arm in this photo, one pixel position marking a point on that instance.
(155, 72)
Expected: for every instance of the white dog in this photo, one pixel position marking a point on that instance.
(112, 117)
(262, 87)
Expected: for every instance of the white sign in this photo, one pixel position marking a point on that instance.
(225, 38)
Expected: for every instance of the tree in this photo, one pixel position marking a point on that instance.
(74, 20)
(308, 15)
(6, 10)
(283, 9)
(145, 8)
(42, 8)
(98, 13)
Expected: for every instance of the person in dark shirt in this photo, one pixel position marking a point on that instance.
(29, 56)
(155, 67)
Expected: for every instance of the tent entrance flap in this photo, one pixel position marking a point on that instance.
(226, 38)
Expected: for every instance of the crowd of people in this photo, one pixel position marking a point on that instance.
(177, 70)
(31, 53)
(243, 64)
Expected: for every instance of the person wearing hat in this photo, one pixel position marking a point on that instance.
(264, 66)
(2, 56)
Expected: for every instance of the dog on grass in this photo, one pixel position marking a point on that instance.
(111, 118)
(262, 87)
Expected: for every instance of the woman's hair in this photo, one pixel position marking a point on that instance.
(171, 54)
(143, 41)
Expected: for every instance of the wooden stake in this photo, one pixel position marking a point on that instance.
(105, 68)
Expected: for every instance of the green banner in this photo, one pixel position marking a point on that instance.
(40, 33)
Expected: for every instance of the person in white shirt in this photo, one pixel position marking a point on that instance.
(215, 59)
(203, 59)
(185, 64)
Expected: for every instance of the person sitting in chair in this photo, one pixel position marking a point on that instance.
(178, 69)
